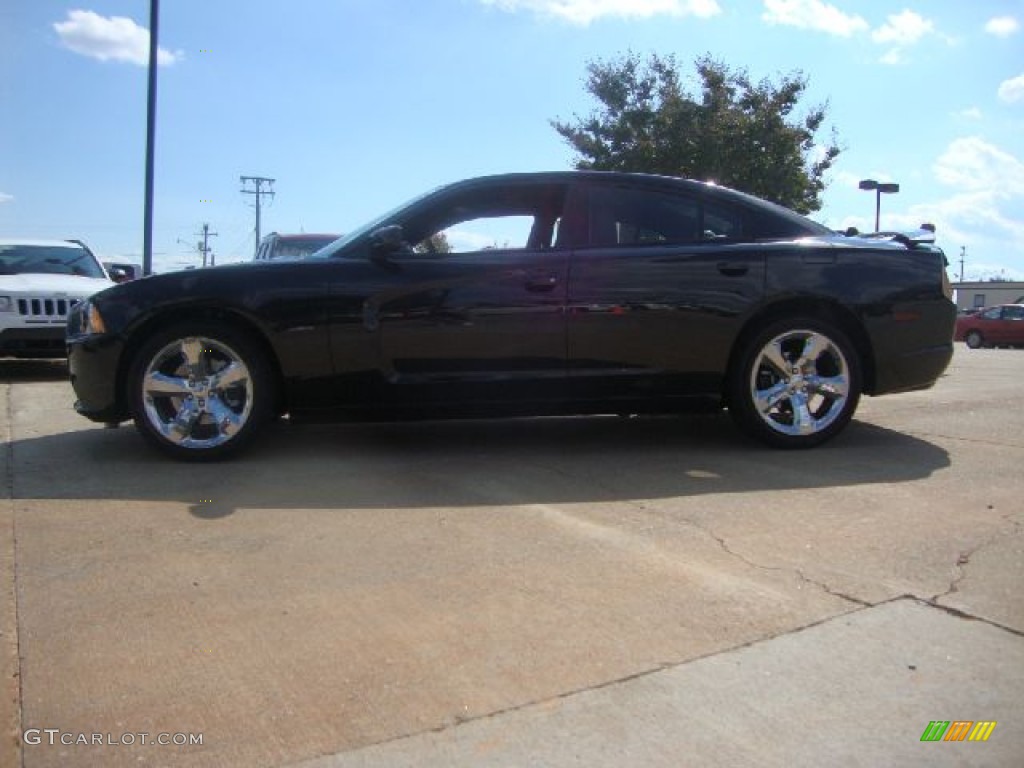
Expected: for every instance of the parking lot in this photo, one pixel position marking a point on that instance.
(579, 591)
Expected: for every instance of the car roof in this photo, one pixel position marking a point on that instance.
(47, 243)
(576, 176)
(644, 179)
(300, 235)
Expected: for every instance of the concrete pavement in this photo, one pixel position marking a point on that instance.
(548, 592)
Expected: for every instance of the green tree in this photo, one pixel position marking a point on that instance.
(436, 243)
(735, 132)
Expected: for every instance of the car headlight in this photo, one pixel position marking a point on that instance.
(6, 304)
(85, 320)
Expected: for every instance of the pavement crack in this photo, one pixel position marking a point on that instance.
(780, 568)
(962, 614)
(963, 560)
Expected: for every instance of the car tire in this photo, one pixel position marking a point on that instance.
(795, 384)
(974, 340)
(200, 392)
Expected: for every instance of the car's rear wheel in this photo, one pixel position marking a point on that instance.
(795, 384)
(200, 393)
(974, 339)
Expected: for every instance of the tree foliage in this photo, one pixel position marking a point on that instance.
(733, 131)
(436, 243)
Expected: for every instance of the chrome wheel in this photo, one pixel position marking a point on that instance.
(800, 383)
(974, 340)
(200, 392)
(197, 392)
(796, 383)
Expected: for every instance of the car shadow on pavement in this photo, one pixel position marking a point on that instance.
(463, 464)
(33, 370)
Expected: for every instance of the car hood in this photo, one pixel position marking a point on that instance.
(72, 285)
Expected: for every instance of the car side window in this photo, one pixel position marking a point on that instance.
(722, 223)
(992, 314)
(483, 234)
(626, 216)
(1013, 313)
(513, 218)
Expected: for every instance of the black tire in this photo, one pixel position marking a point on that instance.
(974, 340)
(200, 392)
(795, 384)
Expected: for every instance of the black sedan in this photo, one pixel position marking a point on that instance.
(526, 295)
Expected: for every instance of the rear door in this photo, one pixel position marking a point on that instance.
(657, 291)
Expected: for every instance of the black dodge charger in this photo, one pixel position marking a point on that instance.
(526, 295)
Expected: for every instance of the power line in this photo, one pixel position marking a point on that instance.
(259, 192)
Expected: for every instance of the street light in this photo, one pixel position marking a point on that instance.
(880, 189)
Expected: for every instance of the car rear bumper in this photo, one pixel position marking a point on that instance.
(919, 369)
(913, 346)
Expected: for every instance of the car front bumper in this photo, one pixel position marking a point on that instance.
(32, 342)
(93, 363)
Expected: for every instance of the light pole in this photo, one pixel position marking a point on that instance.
(147, 216)
(879, 189)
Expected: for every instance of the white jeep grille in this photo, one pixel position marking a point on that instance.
(45, 309)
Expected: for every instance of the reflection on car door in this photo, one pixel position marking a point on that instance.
(486, 324)
(656, 295)
(493, 320)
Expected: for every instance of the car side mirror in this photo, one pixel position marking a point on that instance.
(387, 240)
(119, 274)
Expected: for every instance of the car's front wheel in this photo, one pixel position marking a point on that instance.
(795, 384)
(974, 339)
(200, 393)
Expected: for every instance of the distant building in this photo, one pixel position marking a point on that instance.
(970, 295)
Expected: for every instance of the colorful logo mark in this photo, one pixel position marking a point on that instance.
(958, 730)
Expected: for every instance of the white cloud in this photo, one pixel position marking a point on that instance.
(978, 202)
(971, 113)
(812, 14)
(109, 38)
(1012, 90)
(892, 57)
(971, 163)
(904, 28)
(1002, 26)
(583, 12)
(5, 198)
(985, 211)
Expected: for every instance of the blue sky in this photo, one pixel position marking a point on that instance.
(354, 106)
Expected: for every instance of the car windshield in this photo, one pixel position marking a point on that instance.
(48, 260)
(343, 242)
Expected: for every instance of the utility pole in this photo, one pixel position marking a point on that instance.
(203, 245)
(259, 191)
(963, 257)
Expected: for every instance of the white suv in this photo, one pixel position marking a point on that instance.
(40, 280)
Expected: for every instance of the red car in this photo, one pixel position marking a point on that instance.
(992, 327)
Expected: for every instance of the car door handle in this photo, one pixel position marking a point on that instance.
(732, 270)
(539, 283)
